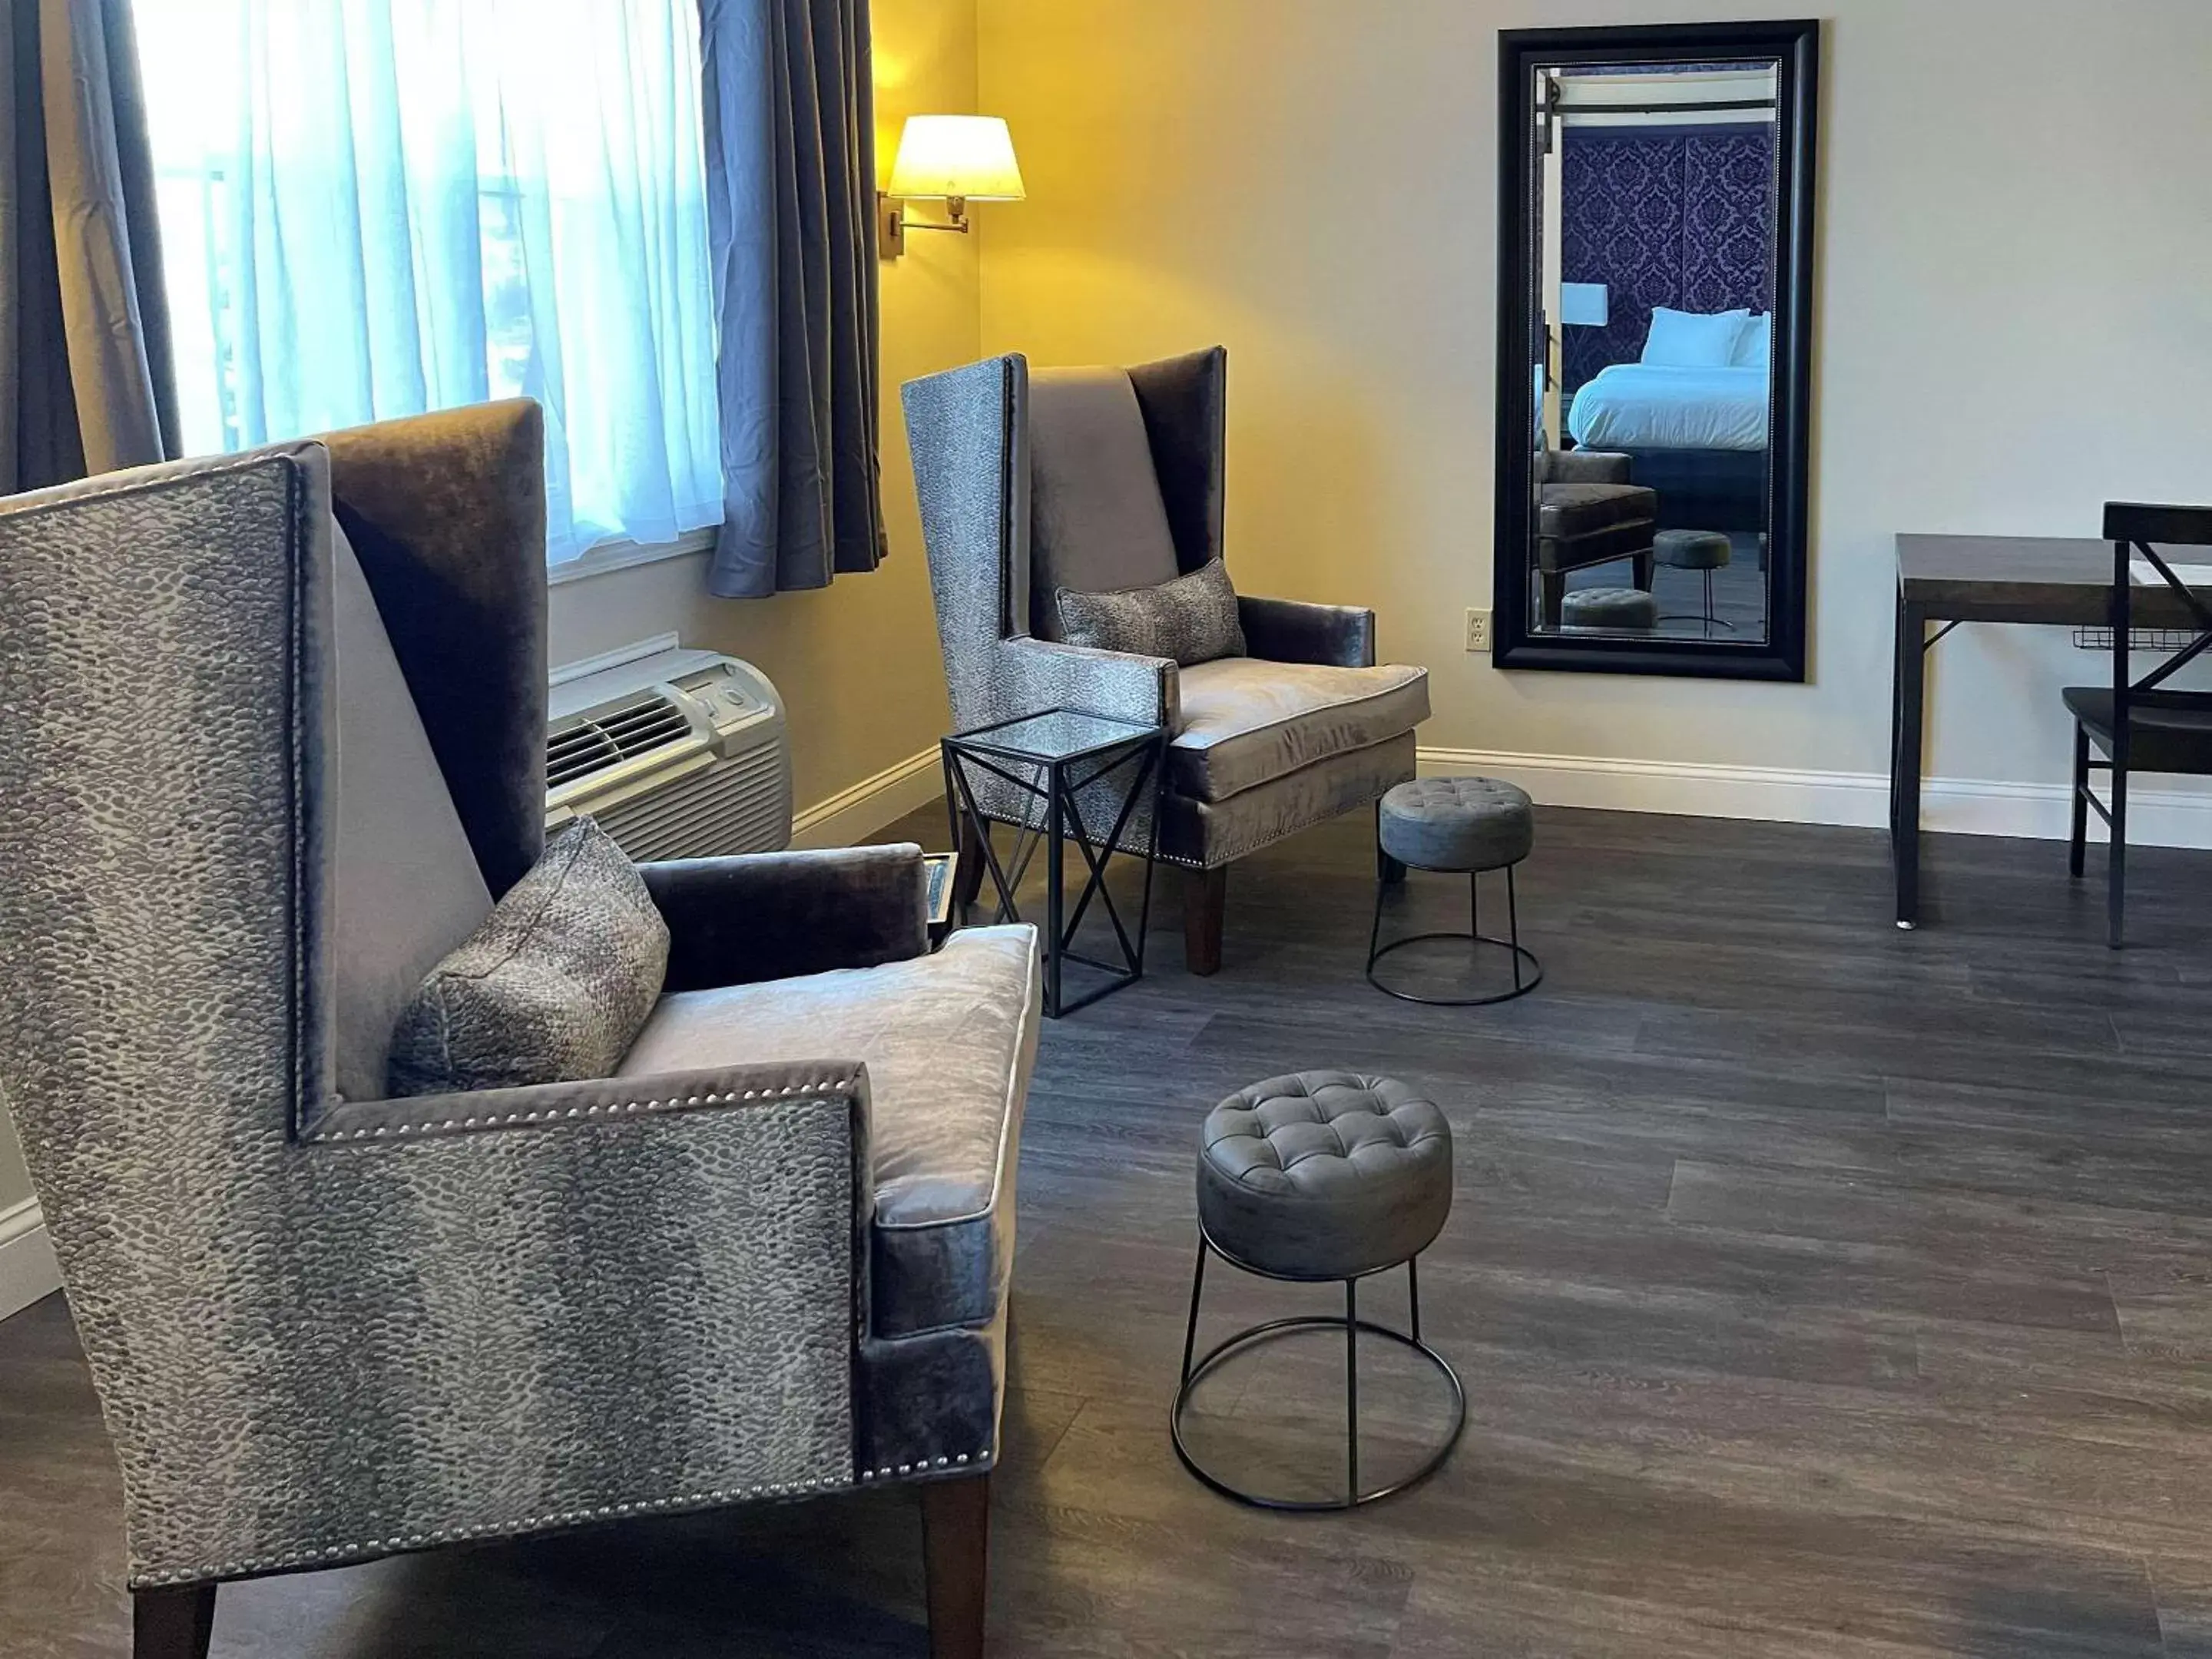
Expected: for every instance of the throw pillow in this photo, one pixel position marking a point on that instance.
(553, 988)
(1192, 618)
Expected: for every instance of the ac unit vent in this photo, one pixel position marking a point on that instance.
(634, 728)
(739, 806)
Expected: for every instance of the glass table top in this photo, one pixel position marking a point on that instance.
(1056, 734)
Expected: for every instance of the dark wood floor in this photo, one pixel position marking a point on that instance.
(1820, 1290)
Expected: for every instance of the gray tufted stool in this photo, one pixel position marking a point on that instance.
(1696, 549)
(1470, 824)
(1609, 607)
(1317, 1176)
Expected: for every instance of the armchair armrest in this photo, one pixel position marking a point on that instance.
(1589, 467)
(775, 915)
(1036, 674)
(1289, 630)
(623, 1296)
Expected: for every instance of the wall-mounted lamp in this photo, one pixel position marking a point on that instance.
(953, 159)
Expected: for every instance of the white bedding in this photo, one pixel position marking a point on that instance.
(1646, 406)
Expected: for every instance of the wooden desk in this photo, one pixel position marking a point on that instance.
(2062, 582)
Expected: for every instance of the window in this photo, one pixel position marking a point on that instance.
(373, 208)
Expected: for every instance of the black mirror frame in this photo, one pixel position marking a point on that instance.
(1782, 657)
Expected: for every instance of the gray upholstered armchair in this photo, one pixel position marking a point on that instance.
(1097, 479)
(275, 736)
(1587, 512)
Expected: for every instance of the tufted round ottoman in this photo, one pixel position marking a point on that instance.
(1609, 607)
(1457, 825)
(1317, 1176)
(1706, 550)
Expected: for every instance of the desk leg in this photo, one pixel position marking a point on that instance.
(1908, 712)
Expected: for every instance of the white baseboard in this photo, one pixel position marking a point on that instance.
(852, 815)
(1962, 805)
(27, 1271)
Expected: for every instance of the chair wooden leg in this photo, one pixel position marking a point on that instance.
(1551, 598)
(1204, 901)
(1643, 570)
(174, 1622)
(956, 1544)
(2077, 841)
(968, 869)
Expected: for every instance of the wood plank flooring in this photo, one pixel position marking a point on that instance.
(1820, 1290)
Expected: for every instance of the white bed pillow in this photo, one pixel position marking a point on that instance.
(1693, 339)
(1755, 345)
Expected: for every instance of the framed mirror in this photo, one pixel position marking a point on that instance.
(1655, 298)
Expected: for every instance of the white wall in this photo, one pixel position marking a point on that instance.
(2015, 322)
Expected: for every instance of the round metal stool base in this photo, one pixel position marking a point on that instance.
(1522, 956)
(1244, 1339)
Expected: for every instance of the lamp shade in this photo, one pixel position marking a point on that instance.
(944, 155)
(1585, 304)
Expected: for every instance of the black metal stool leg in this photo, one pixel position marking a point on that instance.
(1352, 1391)
(1196, 1368)
(1527, 972)
(1190, 1331)
(1513, 923)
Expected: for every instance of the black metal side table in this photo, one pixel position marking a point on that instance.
(1049, 761)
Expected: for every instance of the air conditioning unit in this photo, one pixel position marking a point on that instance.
(678, 754)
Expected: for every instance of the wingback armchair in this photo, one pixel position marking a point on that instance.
(1101, 479)
(1588, 512)
(276, 745)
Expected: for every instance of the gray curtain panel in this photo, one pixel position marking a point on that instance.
(86, 384)
(791, 182)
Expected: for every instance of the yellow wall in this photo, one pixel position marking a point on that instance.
(2016, 216)
(856, 662)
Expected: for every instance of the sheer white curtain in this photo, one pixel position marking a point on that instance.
(372, 208)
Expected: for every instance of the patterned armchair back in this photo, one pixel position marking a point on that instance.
(969, 433)
(169, 995)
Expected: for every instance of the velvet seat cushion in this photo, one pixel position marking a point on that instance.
(949, 1041)
(1567, 510)
(1246, 720)
(1098, 523)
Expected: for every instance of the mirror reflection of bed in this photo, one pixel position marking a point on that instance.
(1655, 274)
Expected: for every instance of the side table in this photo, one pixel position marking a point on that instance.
(1048, 761)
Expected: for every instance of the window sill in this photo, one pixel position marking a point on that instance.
(607, 558)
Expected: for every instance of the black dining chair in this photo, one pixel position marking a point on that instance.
(2137, 724)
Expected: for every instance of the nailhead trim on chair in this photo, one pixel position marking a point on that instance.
(611, 1109)
(373, 1547)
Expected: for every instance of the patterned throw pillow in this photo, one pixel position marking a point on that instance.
(1192, 618)
(552, 988)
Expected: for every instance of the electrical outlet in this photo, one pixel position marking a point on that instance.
(1478, 629)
